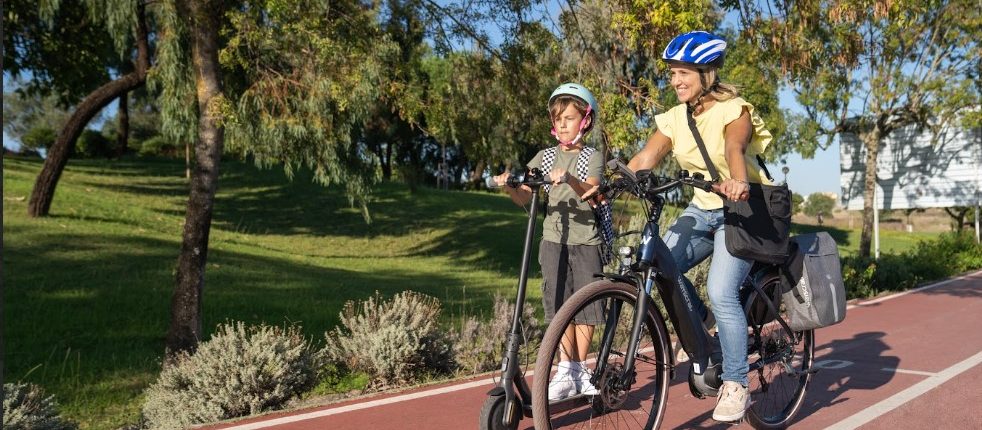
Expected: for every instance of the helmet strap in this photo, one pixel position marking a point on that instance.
(705, 92)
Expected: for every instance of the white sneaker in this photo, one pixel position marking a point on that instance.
(563, 384)
(732, 403)
(583, 385)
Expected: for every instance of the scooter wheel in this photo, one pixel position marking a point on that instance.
(494, 410)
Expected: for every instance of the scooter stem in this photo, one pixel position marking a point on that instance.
(509, 368)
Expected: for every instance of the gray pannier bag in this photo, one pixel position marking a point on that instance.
(816, 295)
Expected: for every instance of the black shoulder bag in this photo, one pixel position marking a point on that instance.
(757, 228)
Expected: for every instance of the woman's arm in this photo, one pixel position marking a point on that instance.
(737, 136)
(653, 152)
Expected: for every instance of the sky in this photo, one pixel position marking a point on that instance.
(805, 176)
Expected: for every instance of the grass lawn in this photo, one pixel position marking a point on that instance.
(87, 289)
(891, 241)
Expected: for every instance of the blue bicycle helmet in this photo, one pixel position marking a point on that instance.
(578, 91)
(696, 48)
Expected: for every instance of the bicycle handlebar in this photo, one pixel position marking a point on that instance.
(534, 178)
(643, 184)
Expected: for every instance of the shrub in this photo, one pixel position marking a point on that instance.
(857, 275)
(159, 146)
(39, 137)
(25, 407)
(396, 341)
(947, 255)
(92, 144)
(478, 345)
(240, 371)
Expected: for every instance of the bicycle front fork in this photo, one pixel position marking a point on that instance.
(628, 375)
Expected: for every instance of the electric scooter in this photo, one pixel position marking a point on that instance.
(511, 398)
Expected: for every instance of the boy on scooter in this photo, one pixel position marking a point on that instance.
(570, 251)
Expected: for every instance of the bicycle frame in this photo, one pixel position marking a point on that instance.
(685, 309)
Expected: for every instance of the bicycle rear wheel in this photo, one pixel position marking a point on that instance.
(780, 363)
(638, 406)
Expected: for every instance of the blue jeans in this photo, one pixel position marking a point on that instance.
(695, 235)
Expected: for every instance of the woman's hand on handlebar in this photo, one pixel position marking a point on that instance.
(590, 193)
(733, 190)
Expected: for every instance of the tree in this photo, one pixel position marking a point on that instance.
(819, 205)
(24, 113)
(202, 20)
(301, 75)
(910, 211)
(869, 67)
(43, 35)
(958, 214)
(64, 48)
(796, 203)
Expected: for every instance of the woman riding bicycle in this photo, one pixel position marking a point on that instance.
(733, 135)
(569, 253)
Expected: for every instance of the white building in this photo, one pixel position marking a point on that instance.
(915, 170)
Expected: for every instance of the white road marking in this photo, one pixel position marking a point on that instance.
(911, 372)
(918, 389)
(490, 383)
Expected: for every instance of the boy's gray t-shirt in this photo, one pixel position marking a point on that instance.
(568, 220)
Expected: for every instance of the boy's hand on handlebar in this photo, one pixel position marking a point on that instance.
(558, 175)
(502, 179)
(733, 190)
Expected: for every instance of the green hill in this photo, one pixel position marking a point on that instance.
(87, 290)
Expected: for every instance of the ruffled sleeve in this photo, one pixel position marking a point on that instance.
(762, 137)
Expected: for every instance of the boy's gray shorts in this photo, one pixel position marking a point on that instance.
(566, 269)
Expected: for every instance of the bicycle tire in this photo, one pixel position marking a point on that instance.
(642, 405)
(780, 374)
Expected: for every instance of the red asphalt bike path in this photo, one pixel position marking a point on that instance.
(907, 361)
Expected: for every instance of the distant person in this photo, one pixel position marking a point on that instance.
(569, 252)
(733, 135)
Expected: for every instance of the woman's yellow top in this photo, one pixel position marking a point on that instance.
(711, 125)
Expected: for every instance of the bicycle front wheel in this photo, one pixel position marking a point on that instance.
(622, 400)
(780, 363)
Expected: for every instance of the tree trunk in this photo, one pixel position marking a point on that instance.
(871, 140)
(387, 161)
(476, 175)
(185, 325)
(57, 156)
(958, 215)
(123, 136)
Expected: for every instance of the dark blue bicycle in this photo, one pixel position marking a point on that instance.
(632, 360)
